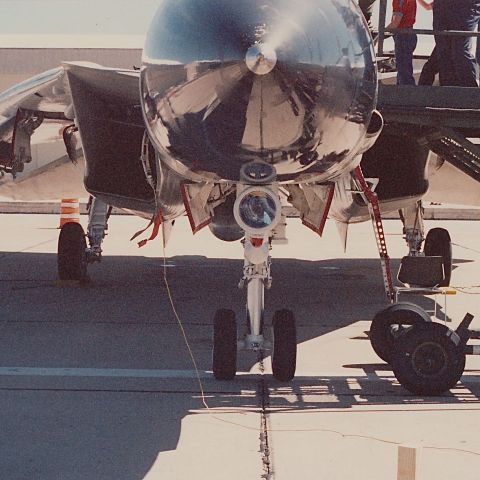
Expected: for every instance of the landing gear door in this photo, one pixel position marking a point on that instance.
(195, 198)
(319, 198)
(15, 145)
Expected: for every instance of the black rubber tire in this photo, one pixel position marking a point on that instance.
(284, 355)
(71, 255)
(392, 322)
(224, 353)
(438, 244)
(429, 359)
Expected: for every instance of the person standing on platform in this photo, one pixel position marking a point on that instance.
(404, 14)
(456, 64)
(430, 68)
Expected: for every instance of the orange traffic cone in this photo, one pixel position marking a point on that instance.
(69, 211)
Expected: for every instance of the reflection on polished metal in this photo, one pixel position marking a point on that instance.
(257, 210)
(261, 59)
(257, 172)
(291, 84)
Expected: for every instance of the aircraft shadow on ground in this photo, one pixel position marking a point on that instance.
(87, 428)
(329, 293)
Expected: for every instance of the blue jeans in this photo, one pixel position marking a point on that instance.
(456, 65)
(404, 48)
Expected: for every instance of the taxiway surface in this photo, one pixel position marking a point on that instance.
(96, 381)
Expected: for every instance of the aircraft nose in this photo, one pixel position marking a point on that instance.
(229, 82)
(261, 59)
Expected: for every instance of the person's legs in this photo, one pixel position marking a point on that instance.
(464, 15)
(404, 47)
(429, 70)
(441, 18)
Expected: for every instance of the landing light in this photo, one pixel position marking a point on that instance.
(257, 210)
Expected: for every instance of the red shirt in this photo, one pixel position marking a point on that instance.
(407, 9)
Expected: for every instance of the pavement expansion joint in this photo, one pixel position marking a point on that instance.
(264, 400)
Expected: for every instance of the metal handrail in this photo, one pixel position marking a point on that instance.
(410, 31)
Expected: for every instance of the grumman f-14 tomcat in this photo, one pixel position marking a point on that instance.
(241, 110)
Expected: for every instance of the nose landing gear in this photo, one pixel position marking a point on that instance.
(256, 276)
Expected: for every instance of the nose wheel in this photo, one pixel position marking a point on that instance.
(284, 356)
(224, 355)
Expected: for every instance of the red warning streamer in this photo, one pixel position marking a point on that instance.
(156, 221)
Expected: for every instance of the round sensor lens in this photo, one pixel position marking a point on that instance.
(257, 210)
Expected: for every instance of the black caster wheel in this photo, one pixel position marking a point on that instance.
(392, 322)
(224, 355)
(438, 244)
(429, 359)
(72, 257)
(284, 356)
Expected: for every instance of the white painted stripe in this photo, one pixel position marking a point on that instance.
(70, 205)
(99, 372)
(104, 372)
(70, 215)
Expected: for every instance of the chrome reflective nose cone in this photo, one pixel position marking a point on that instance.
(261, 59)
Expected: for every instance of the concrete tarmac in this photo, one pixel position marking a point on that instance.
(96, 381)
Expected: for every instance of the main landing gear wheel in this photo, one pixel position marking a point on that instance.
(390, 323)
(224, 356)
(438, 244)
(72, 257)
(429, 359)
(284, 356)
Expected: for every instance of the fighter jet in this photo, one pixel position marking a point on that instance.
(240, 113)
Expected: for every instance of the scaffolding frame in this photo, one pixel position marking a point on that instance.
(382, 31)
